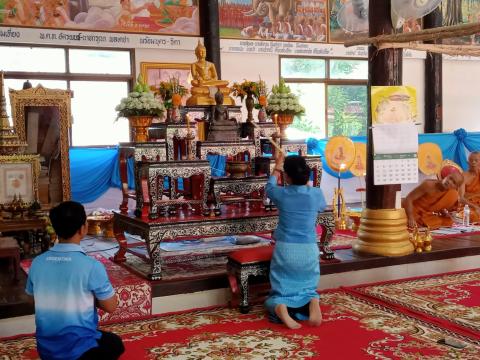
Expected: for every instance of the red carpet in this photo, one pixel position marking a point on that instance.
(353, 328)
(451, 300)
(134, 293)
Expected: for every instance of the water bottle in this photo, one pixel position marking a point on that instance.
(466, 215)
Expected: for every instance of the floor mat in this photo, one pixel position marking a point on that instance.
(451, 299)
(374, 332)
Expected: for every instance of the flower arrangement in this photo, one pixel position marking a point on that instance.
(171, 92)
(262, 93)
(283, 101)
(246, 87)
(140, 102)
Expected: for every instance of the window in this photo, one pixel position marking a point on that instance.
(333, 92)
(98, 79)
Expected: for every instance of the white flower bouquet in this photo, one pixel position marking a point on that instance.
(140, 102)
(283, 101)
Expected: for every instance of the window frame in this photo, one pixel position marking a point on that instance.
(68, 76)
(327, 80)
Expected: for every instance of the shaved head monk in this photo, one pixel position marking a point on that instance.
(428, 204)
(470, 190)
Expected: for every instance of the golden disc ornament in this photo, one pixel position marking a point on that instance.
(340, 153)
(359, 166)
(429, 158)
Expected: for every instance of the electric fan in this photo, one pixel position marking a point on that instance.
(411, 9)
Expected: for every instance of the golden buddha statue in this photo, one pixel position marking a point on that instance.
(204, 79)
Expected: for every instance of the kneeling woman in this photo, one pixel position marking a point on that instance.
(295, 268)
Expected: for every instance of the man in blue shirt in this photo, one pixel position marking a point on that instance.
(67, 286)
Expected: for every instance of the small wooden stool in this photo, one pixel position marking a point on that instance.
(241, 265)
(9, 249)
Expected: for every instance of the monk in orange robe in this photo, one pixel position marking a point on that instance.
(429, 203)
(470, 190)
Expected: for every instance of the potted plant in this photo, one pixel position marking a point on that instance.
(283, 106)
(140, 107)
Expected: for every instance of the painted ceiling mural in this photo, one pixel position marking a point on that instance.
(321, 20)
(176, 17)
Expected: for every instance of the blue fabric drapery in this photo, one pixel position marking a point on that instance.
(91, 172)
(217, 164)
(94, 170)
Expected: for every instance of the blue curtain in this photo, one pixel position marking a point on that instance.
(115, 180)
(94, 170)
(91, 172)
(453, 145)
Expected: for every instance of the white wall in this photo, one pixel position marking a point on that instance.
(414, 75)
(461, 104)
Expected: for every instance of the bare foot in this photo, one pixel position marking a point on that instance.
(282, 313)
(315, 318)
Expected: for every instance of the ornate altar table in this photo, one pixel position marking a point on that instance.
(232, 221)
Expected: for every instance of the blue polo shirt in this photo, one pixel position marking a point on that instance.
(65, 282)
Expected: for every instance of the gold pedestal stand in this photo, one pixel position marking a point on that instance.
(383, 232)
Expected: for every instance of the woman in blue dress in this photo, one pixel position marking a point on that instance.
(294, 268)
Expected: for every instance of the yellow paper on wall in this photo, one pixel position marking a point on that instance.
(393, 104)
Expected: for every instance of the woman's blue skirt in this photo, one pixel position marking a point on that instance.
(294, 275)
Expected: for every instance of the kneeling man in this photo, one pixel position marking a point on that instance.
(428, 204)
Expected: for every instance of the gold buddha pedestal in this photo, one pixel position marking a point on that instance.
(383, 232)
(205, 81)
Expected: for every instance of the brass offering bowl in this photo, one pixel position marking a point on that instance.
(237, 169)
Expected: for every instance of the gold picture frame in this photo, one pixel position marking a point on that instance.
(58, 104)
(19, 176)
(153, 73)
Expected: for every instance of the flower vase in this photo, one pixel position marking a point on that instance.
(140, 125)
(283, 121)
(249, 103)
(169, 112)
(175, 117)
(262, 115)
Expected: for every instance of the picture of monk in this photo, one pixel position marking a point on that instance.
(16, 183)
(429, 204)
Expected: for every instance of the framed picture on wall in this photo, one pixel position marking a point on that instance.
(19, 177)
(154, 73)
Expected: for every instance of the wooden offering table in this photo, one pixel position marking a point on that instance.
(226, 148)
(150, 179)
(148, 151)
(232, 221)
(246, 189)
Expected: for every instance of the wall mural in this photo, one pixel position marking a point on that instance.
(274, 19)
(458, 12)
(176, 17)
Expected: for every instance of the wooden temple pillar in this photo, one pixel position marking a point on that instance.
(383, 228)
(210, 30)
(433, 79)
